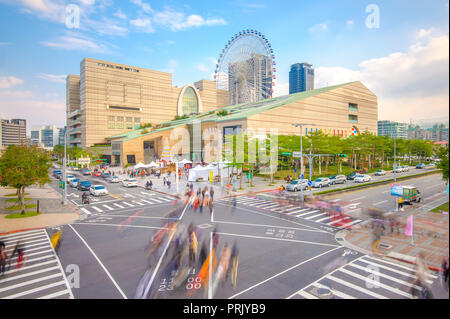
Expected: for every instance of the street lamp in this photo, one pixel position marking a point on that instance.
(301, 151)
(64, 168)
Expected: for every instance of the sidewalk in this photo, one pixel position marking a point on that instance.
(431, 236)
(53, 211)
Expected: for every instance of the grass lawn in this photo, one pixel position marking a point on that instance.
(12, 195)
(443, 207)
(18, 207)
(15, 200)
(19, 215)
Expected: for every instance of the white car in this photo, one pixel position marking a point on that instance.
(362, 178)
(98, 190)
(296, 185)
(380, 172)
(130, 182)
(405, 168)
(321, 182)
(113, 179)
(69, 178)
(398, 169)
(74, 182)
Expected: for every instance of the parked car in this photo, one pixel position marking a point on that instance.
(76, 168)
(321, 182)
(338, 179)
(405, 168)
(351, 176)
(97, 174)
(98, 190)
(74, 182)
(418, 166)
(105, 175)
(362, 178)
(86, 171)
(84, 185)
(113, 179)
(380, 172)
(70, 177)
(56, 172)
(130, 182)
(398, 169)
(296, 185)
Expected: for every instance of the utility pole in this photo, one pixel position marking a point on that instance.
(301, 154)
(64, 168)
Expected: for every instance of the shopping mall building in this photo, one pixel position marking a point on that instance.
(108, 103)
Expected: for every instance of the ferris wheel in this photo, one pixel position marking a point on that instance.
(246, 68)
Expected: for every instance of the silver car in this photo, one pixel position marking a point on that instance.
(321, 182)
(296, 185)
(338, 179)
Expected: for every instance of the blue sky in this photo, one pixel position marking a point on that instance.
(404, 61)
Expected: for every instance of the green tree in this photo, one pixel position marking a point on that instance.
(22, 166)
(442, 153)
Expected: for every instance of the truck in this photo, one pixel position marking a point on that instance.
(411, 194)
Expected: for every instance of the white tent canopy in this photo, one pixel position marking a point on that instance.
(152, 164)
(204, 171)
(139, 165)
(185, 161)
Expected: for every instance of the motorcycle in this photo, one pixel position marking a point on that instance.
(86, 200)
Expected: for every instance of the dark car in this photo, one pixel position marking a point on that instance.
(420, 166)
(58, 175)
(84, 185)
(351, 176)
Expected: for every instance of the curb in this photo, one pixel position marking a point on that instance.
(20, 230)
(255, 192)
(154, 190)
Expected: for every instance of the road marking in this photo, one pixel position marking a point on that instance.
(314, 216)
(284, 271)
(283, 208)
(335, 200)
(41, 243)
(101, 264)
(29, 282)
(35, 241)
(349, 284)
(337, 221)
(307, 213)
(354, 200)
(21, 294)
(333, 291)
(108, 207)
(351, 223)
(138, 203)
(375, 283)
(307, 295)
(353, 205)
(165, 199)
(383, 201)
(411, 275)
(56, 294)
(128, 204)
(290, 209)
(97, 209)
(297, 211)
(322, 219)
(154, 199)
(272, 226)
(28, 233)
(14, 240)
(146, 201)
(115, 204)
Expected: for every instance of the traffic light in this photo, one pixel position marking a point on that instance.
(62, 184)
(341, 155)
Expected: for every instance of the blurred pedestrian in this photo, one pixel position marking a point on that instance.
(168, 184)
(444, 272)
(193, 246)
(422, 279)
(400, 203)
(3, 257)
(203, 254)
(211, 193)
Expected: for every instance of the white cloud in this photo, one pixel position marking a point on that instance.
(281, 89)
(143, 25)
(318, 27)
(144, 6)
(119, 14)
(176, 21)
(72, 41)
(7, 82)
(413, 83)
(171, 66)
(350, 23)
(57, 78)
(202, 68)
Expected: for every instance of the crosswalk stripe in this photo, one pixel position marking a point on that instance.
(387, 287)
(314, 216)
(115, 204)
(28, 274)
(334, 291)
(349, 284)
(17, 237)
(372, 271)
(290, 209)
(21, 234)
(164, 199)
(128, 204)
(261, 204)
(337, 221)
(97, 209)
(34, 259)
(351, 223)
(158, 201)
(398, 265)
(322, 219)
(297, 211)
(29, 282)
(270, 206)
(411, 275)
(86, 211)
(21, 294)
(43, 242)
(35, 241)
(146, 201)
(56, 294)
(139, 203)
(283, 207)
(307, 295)
(24, 239)
(30, 266)
(108, 207)
(307, 213)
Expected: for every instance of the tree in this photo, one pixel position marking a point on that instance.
(22, 166)
(442, 153)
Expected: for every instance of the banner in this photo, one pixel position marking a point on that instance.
(409, 226)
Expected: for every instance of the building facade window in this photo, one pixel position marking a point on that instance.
(190, 101)
(353, 118)
(111, 118)
(129, 119)
(110, 125)
(119, 125)
(129, 126)
(137, 119)
(353, 107)
(120, 119)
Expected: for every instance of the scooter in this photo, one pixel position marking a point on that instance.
(86, 200)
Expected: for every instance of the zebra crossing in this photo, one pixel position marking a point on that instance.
(130, 202)
(310, 214)
(364, 278)
(40, 276)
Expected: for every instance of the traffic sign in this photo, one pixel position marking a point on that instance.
(301, 176)
(309, 183)
(286, 153)
(296, 154)
(397, 190)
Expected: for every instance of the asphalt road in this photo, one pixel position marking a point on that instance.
(285, 251)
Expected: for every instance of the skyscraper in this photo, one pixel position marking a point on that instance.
(250, 80)
(301, 78)
(13, 132)
(393, 129)
(48, 135)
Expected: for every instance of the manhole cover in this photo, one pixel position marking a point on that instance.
(382, 245)
(202, 226)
